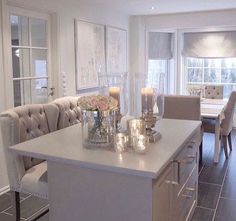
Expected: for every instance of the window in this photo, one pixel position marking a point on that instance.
(200, 71)
(160, 61)
(29, 47)
(157, 71)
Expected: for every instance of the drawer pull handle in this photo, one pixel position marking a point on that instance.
(191, 190)
(190, 159)
(171, 182)
(191, 144)
(178, 172)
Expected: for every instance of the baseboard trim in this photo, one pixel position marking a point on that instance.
(4, 190)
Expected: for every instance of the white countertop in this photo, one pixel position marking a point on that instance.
(65, 146)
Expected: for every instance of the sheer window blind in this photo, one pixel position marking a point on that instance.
(210, 45)
(160, 46)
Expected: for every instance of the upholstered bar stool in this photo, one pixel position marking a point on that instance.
(214, 91)
(69, 111)
(226, 126)
(27, 175)
(183, 108)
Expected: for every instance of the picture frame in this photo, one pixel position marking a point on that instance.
(89, 53)
(116, 50)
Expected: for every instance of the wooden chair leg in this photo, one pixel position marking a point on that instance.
(224, 139)
(230, 141)
(16, 205)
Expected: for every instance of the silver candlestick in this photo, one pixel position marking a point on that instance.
(150, 121)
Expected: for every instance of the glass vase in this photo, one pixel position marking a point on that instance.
(98, 128)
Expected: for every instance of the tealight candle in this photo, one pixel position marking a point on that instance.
(147, 99)
(115, 93)
(121, 142)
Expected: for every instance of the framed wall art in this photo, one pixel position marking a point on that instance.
(116, 50)
(90, 53)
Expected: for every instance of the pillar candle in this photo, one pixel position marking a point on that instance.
(147, 99)
(115, 93)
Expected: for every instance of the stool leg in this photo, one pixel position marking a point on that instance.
(230, 141)
(16, 205)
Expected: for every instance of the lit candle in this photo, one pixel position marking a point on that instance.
(115, 93)
(147, 99)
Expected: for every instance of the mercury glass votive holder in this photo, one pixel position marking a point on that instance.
(140, 143)
(136, 127)
(121, 142)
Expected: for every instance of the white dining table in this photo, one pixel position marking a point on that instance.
(214, 109)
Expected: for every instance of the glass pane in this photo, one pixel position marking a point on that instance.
(194, 62)
(22, 92)
(228, 63)
(228, 89)
(195, 75)
(39, 89)
(20, 62)
(157, 69)
(210, 75)
(39, 63)
(212, 63)
(19, 30)
(39, 32)
(228, 75)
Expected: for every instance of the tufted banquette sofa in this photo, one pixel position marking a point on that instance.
(26, 174)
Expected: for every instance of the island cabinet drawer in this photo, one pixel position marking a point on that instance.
(184, 203)
(162, 195)
(184, 163)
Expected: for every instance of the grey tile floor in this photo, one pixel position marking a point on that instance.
(30, 205)
(217, 192)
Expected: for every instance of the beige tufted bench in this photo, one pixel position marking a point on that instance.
(69, 112)
(214, 91)
(26, 174)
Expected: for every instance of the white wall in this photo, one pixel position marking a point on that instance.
(64, 13)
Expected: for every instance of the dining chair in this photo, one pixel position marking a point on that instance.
(226, 125)
(26, 174)
(214, 91)
(69, 111)
(183, 108)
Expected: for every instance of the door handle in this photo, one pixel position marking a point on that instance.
(52, 91)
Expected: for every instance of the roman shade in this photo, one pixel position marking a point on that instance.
(160, 46)
(210, 44)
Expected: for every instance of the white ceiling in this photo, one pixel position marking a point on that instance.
(142, 7)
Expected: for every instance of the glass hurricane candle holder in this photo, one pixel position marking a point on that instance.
(116, 86)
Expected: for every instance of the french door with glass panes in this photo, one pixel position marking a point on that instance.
(30, 57)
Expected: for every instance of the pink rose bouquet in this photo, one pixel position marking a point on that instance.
(97, 102)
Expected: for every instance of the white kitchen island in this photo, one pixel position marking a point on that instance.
(102, 185)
